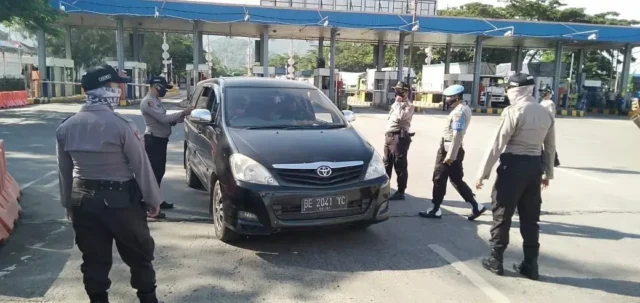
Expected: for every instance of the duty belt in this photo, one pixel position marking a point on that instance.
(102, 185)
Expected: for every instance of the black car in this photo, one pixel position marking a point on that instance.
(278, 155)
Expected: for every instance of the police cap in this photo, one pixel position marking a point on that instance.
(98, 76)
(401, 86)
(520, 79)
(453, 90)
(160, 80)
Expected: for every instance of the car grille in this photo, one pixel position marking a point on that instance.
(310, 176)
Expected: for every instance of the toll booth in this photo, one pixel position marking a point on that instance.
(138, 87)
(59, 71)
(322, 80)
(383, 83)
(203, 72)
(258, 71)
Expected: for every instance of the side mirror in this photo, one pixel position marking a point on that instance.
(200, 116)
(349, 115)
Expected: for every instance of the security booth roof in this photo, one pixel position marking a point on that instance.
(309, 24)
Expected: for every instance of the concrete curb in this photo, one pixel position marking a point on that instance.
(612, 112)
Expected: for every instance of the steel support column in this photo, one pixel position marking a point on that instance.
(264, 48)
(557, 72)
(67, 42)
(380, 55)
(120, 43)
(519, 59)
(196, 58)
(447, 58)
(332, 66)
(42, 59)
(136, 45)
(477, 66)
(320, 50)
(626, 66)
(580, 70)
(401, 56)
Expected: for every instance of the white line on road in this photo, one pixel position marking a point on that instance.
(478, 281)
(52, 183)
(37, 180)
(577, 174)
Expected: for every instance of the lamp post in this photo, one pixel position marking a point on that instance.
(165, 55)
(291, 61)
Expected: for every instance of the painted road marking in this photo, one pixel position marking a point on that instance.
(37, 180)
(52, 183)
(577, 174)
(477, 280)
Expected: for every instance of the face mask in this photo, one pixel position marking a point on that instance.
(162, 91)
(451, 100)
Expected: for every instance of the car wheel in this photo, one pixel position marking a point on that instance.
(222, 232)
(191, 177)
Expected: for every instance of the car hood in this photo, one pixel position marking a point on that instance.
(301, 146)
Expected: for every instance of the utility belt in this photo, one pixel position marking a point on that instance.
(150, 136)
(403, 133)
(113, 194)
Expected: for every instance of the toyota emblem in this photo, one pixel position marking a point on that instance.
(324, 171)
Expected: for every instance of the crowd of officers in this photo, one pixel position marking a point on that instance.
(110, 175)
(524, 145)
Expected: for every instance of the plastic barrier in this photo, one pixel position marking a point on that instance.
(13, 99)
(9, 197)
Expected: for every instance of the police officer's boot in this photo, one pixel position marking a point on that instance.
(99, 298)
(529, 266)
(148, 297)
(399, 195)
(494, 262)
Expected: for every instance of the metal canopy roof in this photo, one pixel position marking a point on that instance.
(307, 24)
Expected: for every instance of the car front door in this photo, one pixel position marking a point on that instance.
(189, 127)
(211, 133)
(197, 142)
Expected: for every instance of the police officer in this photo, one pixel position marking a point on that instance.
(450, 156)
(158, 129)
(104, 174)
(547, 102)
(398, 138)
(526, 126)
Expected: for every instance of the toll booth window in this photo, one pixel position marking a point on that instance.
(325, 82)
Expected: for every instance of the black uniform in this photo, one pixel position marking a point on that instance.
(99, 153)
(525, 128)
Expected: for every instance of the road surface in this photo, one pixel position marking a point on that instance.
(590, 234)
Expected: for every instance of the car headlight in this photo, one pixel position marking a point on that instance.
(248, 170)
(376, 167)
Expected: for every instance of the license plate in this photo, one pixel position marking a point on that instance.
(323, 204)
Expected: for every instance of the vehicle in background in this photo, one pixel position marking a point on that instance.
(278, 155)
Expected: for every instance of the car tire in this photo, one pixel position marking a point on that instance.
(222, 232)
(191, 177)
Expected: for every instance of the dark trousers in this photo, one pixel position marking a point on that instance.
(449, 172)
(396, 148)
(517, 186)
(156, 149)
(104, 213)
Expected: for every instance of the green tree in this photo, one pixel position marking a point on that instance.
(89, 47)
(31, 14)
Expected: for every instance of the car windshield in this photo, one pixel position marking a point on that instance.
(276, 107)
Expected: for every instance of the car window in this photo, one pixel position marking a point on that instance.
(195, 96)
(203, 100)
(267, 107)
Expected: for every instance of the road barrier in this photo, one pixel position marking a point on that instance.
(13, 99)
(9, 197)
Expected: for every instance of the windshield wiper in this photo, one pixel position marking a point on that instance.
(268, 127)
(316, 126)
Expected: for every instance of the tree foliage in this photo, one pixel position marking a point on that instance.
(31, 14)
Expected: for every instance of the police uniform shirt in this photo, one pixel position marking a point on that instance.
(525, 127)
(457, 123)
(99, 144)
(155, 116)
(400, 116)
(549, 105)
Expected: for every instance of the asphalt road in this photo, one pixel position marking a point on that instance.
(590, 234)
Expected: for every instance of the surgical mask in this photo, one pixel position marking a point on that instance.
(162, 91)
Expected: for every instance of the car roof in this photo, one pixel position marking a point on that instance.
(263, 82)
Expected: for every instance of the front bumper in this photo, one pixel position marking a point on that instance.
(278, 208)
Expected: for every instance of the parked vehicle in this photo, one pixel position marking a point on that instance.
(278, 155)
